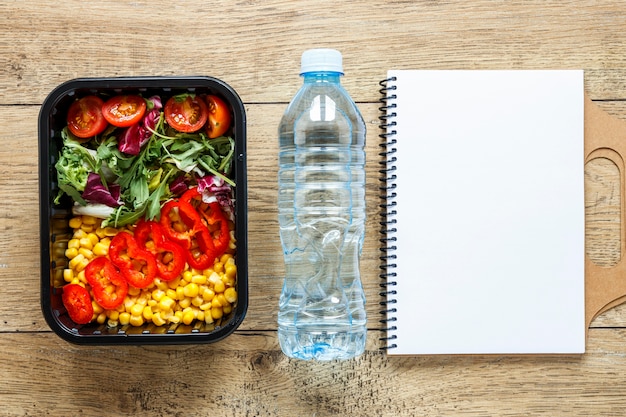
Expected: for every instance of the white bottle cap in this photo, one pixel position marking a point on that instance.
(322, 59)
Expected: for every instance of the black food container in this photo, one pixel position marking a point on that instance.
(54, 219)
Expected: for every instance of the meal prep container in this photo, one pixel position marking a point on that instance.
(54, 219)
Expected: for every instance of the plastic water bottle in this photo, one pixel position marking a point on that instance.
(321, 209)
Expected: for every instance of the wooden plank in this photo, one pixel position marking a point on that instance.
(247, 375)
(256, 46)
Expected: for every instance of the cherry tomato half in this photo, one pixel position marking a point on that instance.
(124, 111)
(219, 116)
(185, 113)
(77, 302)
(84, 117)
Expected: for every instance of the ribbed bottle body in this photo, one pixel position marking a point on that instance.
(321, 207)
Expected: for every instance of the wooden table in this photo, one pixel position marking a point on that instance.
(255, 47)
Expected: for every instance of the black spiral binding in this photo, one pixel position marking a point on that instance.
(388, 211)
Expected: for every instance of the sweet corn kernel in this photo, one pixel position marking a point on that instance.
(79, 234)
(113, 314)
(219, 287)
(180, 293)
(136, 320)
(112, 323)
(76, 260)
(133, 291)
(175, 283)
(191, 290)
(68, 275)
(215, 302)
(147, 313)
(230, 294)
(171, 293)
(136, 310)
(124, 318)
(102, 318)
(70, 253)
(162, 285)
(230, 270)
(200, 315)
(73, 243)
(90, 220)
(187, 276)
(185, 302)
(199, 279)
(86, 242)
(205, 306)
(75, 222)
(110, 231)
(88, 254)
(166, 303)
(81, 276)
(97, 308)
(158, 294)
(216, 313)
(188, 317)
(87, 228)
(100, 249)
(218, 267)
(208, 294)
(157, 319)
(197, 301)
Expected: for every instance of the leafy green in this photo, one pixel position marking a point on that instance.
(144, 178)
(73, 167)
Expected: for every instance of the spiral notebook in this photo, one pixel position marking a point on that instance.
(484, 212)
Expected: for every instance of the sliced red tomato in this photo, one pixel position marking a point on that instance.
(108, 285)
(77, 302)
(219, 116)
(137, 265)
(124, 111)
(185, 113)
(84, 117)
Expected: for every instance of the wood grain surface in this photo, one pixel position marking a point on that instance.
(255, 47)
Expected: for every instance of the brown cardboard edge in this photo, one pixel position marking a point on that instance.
(605, 137)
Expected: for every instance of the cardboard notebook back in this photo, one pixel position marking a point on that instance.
(605, 137)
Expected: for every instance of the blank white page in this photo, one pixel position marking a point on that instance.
(490, 212)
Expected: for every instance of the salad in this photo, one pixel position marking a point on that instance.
(150, 180)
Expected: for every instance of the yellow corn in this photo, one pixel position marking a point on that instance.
(191, 290)
(136, 320)
(219, 287)
(124, 318)
(185, 302)
(68, 274)
(147, 313)
(87, 253)
(136, 310)
(231, 295)
(188, 317)
(70, 253)
(205, 295)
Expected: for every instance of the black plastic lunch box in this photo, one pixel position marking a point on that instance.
(54, 219)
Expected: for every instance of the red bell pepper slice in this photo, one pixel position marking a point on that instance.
(102, 274)
(137, 265)
(180, 221)
(170, 257)
(77, 302)
(213, 218)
